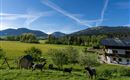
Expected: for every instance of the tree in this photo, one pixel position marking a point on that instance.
(12, 38)
(34, 52)
(28, 38)
(72, 54)
(58, 57)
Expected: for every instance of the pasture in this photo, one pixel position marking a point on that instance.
(15, 49)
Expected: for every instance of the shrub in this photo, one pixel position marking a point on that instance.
(58, 57)
(108, 71)
(2, 53)
(88, 59)
(72, 54)
(28, 38)
(12, 38)
(34, 52)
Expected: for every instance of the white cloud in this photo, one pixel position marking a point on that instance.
(36, 15)
(7, 16)
(29, 17)
(127, 25)
(8, 25)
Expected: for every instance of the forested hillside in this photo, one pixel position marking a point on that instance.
(91, 36)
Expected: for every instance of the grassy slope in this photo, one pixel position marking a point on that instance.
(15, 49)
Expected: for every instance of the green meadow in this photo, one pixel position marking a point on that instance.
(16, 49)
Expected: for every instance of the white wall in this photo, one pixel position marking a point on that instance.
(110, 59)
(120, 51)
(124, 61)
(109, 51)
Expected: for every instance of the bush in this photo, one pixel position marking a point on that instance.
(72, 54)
(58, 57)
(2, 53)
(88, 59)
(12, 38)
(34, 52)
(107, 71)
(28, 38)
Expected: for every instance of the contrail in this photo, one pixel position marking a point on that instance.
(103, 12)
(58, 9)
(32, 16)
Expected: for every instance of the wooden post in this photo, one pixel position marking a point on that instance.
(5, 61)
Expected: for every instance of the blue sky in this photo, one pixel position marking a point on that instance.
(63, 15)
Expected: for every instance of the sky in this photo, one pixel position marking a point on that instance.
(63, 15)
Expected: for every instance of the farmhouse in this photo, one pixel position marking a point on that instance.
(116, 51)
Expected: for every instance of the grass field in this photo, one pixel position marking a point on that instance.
(15, 49)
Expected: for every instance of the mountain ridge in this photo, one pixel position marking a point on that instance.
(19, 31)
(58, 34)
(102, 30)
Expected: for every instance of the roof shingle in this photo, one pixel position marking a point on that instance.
(116, 42)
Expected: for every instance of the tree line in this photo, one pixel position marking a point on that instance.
(88, 40)
(76, 40)
(26, 37)
(81, 40)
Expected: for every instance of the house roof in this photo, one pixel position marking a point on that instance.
(116, 42)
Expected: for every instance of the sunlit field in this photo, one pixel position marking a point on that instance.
(15, 49)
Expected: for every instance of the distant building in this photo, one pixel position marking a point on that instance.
(116, 51)
(26, 62)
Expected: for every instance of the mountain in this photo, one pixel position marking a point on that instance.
(104, 30)
(19, 31)
(58, 34)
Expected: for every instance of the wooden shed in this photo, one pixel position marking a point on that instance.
(26, 62)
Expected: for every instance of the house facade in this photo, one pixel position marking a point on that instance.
(116, 51)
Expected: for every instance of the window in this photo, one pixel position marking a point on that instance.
(127, 52)
(120, 59)
(127, 60)
(114, 59)
(114, 51)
